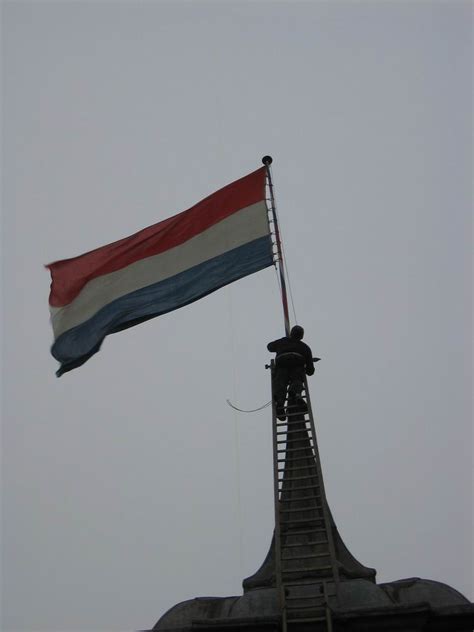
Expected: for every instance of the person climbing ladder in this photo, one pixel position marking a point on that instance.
(293, 360)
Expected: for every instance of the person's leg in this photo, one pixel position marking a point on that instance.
(296, 383)
(280, 384)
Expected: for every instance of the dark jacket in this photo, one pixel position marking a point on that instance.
(290, 345)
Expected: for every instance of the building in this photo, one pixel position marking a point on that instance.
(309, 581)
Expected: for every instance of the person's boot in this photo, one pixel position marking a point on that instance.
(280, 412)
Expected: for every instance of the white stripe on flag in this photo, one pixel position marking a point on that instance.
(236, 230)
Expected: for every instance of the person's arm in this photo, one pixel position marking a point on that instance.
(275, 345)
(309, 361)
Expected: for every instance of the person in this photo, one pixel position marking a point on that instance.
(293, 359)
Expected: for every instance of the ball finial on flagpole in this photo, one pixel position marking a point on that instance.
(267, 160)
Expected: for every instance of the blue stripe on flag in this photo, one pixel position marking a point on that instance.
(77, 345)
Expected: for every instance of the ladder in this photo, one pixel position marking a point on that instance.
(306, 568)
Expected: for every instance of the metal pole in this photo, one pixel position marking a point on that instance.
(267, 161)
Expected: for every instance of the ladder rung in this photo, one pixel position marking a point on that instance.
(294, 500)
(309, 531)
(283, 491)
(300, 478)
(292, 546)
(297, 489)
(295, 440)
(307, 434)
(317, 607)
(307, 598)
(290, 444)
(320, 595)
(298, 450)
(309, 569)
(300, 414)
(285, 432)
(304, 429)
(312, 620)
(301, 521)
(298, 458)
(294, 510)
(299, 467)
(297, 470)
(305, 557)
(287, 474)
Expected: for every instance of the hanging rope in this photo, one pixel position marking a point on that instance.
(236, 435)
(254, 410)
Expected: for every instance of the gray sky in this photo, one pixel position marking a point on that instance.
(129, 485)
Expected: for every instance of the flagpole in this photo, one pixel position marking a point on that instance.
(267, 161)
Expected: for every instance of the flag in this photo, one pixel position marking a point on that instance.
(163, 267)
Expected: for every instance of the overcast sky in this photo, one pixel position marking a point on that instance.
(129, 485)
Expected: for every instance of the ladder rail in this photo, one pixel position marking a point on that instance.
(284, 457)
(328, 609)
(276, 489)
(324, 502)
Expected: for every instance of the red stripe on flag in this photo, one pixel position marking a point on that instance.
(70, 275)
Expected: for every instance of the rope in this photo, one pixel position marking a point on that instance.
(236, 435)
(254, 410)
